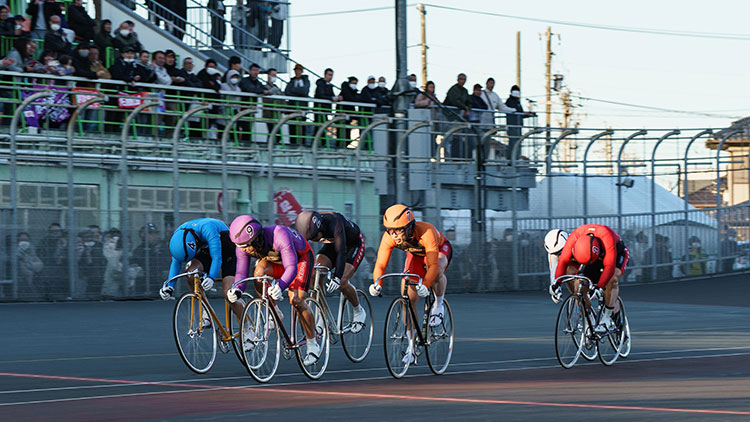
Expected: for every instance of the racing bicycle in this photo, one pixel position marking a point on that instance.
(403, 331)
(198, 332)
(264, 337)
(575, 334)
(356, 338)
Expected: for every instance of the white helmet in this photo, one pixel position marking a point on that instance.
(554, 240)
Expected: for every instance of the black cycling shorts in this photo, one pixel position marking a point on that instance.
(354, 254)
(594, 271)
(228, 258)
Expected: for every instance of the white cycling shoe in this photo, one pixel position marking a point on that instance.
(313, 352)
(272, 321)
(606, 323)
(359, 315)
(436, 316)
(206, 322)
(410, 357)
(248, 343)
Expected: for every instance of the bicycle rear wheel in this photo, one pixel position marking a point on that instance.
(356, 338)
(440, 342)
(194, 333)
(316, 369)
(570, 330)
(233, 326)
(396, 340)
(608, 344)
(624, 326)
(261, 344)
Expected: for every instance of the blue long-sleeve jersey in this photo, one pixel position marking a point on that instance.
(208, 231)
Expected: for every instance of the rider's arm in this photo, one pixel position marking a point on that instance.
(242, 268)
(282, 242)
(431, 252)
(566, 254)
(384, 255)
(214, 249)
(174, 269)
(339, 243)
(610, 258)
(552, 259)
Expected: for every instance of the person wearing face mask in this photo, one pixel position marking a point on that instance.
(55, 39)
(370, 93)
(515, 120)
(81, 62)
(349, 93)
(41, 11)
(29, 266)
(231, 85)
(91, 265)
(383, 88)
(124, 69)
(298, 86)
(412, 81)
(125, 36)
(695, 263)
(80, 21)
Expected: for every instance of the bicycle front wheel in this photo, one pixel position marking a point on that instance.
(317, 368)
(440, 342)
(194, 333)
(608, 344)
(356, 337)
(569, 331)
(260, 341)
(396, 341)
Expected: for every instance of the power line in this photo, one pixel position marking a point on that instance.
(667, 110)
(345, 12)
(669, 32)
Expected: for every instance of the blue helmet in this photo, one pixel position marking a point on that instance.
(184, 244)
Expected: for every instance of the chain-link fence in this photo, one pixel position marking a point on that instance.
(88, 214)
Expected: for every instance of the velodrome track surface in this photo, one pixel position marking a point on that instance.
(117, 361)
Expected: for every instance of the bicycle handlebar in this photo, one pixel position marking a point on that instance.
(195, 272)
(258, 278)
(407, 275)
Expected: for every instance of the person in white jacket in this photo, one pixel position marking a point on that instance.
(554, 241)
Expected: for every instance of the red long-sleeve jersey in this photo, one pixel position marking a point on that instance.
(609, 241)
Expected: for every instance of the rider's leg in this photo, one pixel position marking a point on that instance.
(297, 300)
(263, 267)
(438, 287)
(612, 291)
(193, 265)
(573, 285)
(349, 292)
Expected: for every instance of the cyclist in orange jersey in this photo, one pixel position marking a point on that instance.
(428, 254)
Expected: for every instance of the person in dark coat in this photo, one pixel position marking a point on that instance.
(348, 93)
(81, 62)
(477, 103)
(55, 40)
(104, 39)
(217, 10)
(79, 21)
(40, 20)
(298, 86)
(124, 68)
(514, 120)
(324, 91)
(251, 84)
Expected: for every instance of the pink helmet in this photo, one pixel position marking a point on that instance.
(244, 230)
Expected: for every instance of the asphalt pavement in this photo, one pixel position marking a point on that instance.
(690, 361)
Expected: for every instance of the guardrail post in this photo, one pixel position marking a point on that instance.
(724, 138)
(274, 131)
(619, 176)
(318, 135)
(73, 269)
(224, 175)
(585, 169)
(438, 181)
(653, 199)
(514, 222)
(401, 182)
(14, 186)
(124, 218)
(686, 194)
(358, 172)
(548, 159)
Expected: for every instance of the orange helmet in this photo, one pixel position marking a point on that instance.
(587, 249)
(398, 216)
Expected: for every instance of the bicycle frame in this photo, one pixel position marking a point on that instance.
(320, 297)
(428, 302)
(588, 310)
(290, 343)
(198, 291)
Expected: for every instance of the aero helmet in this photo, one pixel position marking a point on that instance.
(184, 244)
(308, 224)
(587, 249)
(554, 240)
(244, 230)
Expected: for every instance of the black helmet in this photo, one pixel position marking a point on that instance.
(308, 224)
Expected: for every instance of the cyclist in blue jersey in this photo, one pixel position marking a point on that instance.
(204, 245)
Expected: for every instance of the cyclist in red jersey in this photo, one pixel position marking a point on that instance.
(599, 254)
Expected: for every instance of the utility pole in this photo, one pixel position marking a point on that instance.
(518, 58)
(423, 15)
(402, 99)
(548, 83)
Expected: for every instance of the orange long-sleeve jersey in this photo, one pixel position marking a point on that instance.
(426, 242)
